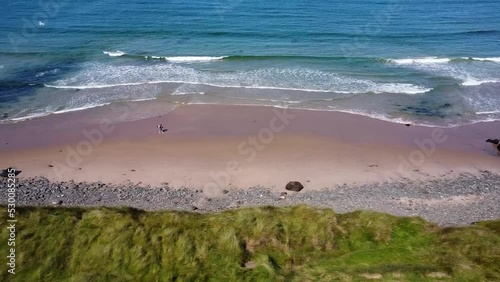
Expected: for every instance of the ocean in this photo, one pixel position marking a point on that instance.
(434, 63)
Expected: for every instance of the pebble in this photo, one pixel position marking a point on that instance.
(381, 197)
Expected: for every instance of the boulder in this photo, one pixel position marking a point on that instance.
(294, 186)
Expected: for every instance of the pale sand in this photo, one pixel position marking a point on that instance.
(320, 149)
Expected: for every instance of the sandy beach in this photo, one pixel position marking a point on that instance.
(217, 147)
(250, 140)
(217, 157)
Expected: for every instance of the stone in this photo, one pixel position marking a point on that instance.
(294, 186)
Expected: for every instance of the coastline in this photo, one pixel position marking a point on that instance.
(239, 147)
(461, 200)
(250, 141)
(213, 157)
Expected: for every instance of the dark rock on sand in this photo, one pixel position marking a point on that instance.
(495, 143)
(294, 186)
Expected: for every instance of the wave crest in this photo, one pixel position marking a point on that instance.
(488, 59)
(475, 82)
(187, 59)
(116, 53)
(437, 60)
(426, 60)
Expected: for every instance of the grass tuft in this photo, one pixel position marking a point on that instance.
(296, 243)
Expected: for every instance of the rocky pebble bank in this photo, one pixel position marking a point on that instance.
(460, 200)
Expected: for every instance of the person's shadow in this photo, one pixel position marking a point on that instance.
(164, 130)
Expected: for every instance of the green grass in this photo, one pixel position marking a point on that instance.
(287, 244)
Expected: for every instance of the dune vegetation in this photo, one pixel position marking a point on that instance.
(296, 243)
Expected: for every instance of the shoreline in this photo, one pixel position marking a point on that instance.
(183, 104)
(214, 158)
(239, 146)
(461, 200)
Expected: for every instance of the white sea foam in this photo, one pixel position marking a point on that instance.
(187, 93)
(281, 106)
(38, 115)
(89, 106)
(296, 79)
(116, 53)
(31, 116)
(488, 112)
(475, 82)
(404, 88)
(54, 71)
(91, 86)
(401, 88)
(425, 60)
(385, 117)
(188, 59)
(469, 74)
(143, 99)
(437, 60)
(490, 59)
(193, 59)
(378, 116)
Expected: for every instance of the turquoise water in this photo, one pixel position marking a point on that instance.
(425, 62)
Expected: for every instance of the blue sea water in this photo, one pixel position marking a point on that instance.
(425, 62)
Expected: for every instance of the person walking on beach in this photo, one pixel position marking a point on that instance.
(160, 128)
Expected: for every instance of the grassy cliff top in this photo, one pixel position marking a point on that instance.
(296, 243)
